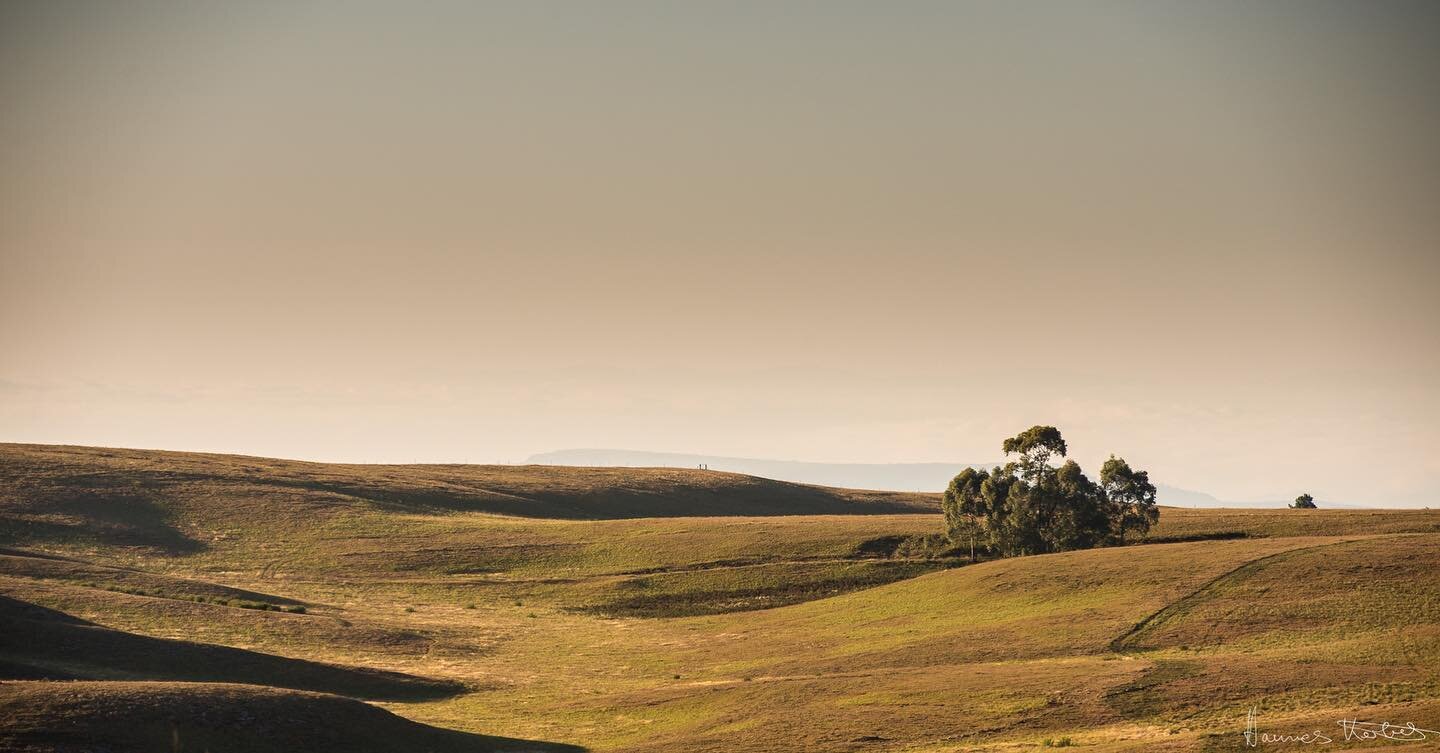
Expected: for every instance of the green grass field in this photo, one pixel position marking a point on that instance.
(278, 605)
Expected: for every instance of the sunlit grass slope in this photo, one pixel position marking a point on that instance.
(575, 623)
(1013, 652)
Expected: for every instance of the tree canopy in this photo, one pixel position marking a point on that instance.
(1304, 502)
(1029, 506)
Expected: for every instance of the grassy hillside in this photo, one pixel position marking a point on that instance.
(763, 632)
(129, 495)
(40, 642)
(151, 716)
(1179, 523)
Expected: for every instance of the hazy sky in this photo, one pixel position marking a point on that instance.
(1204, 235)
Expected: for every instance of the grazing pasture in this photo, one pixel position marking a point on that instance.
(278, 605)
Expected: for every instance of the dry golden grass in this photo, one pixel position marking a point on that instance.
(1309, 616)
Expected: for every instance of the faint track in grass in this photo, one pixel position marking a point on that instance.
(1128, 641)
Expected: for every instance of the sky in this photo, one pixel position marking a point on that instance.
(1202, 236)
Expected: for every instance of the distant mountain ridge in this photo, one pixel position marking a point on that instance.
(900, 477)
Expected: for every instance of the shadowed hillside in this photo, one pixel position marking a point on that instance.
(126, 717)
(40, 642)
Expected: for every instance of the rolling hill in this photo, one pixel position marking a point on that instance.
(253, 604)
(129, 494)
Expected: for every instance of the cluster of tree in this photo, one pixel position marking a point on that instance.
(1303, 502)
(1029, 506)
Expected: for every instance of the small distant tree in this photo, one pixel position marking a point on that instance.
(1303, 502)
(1029, 506)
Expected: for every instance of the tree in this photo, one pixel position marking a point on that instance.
(965, 508)
(1131, 494)
(1035, 446)
(1303, 502)
(1029, 506)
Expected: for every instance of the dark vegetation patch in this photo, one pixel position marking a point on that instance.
(263, 606)
(683, 594)
(916, 546)
(715, 565)
(1207, 536)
